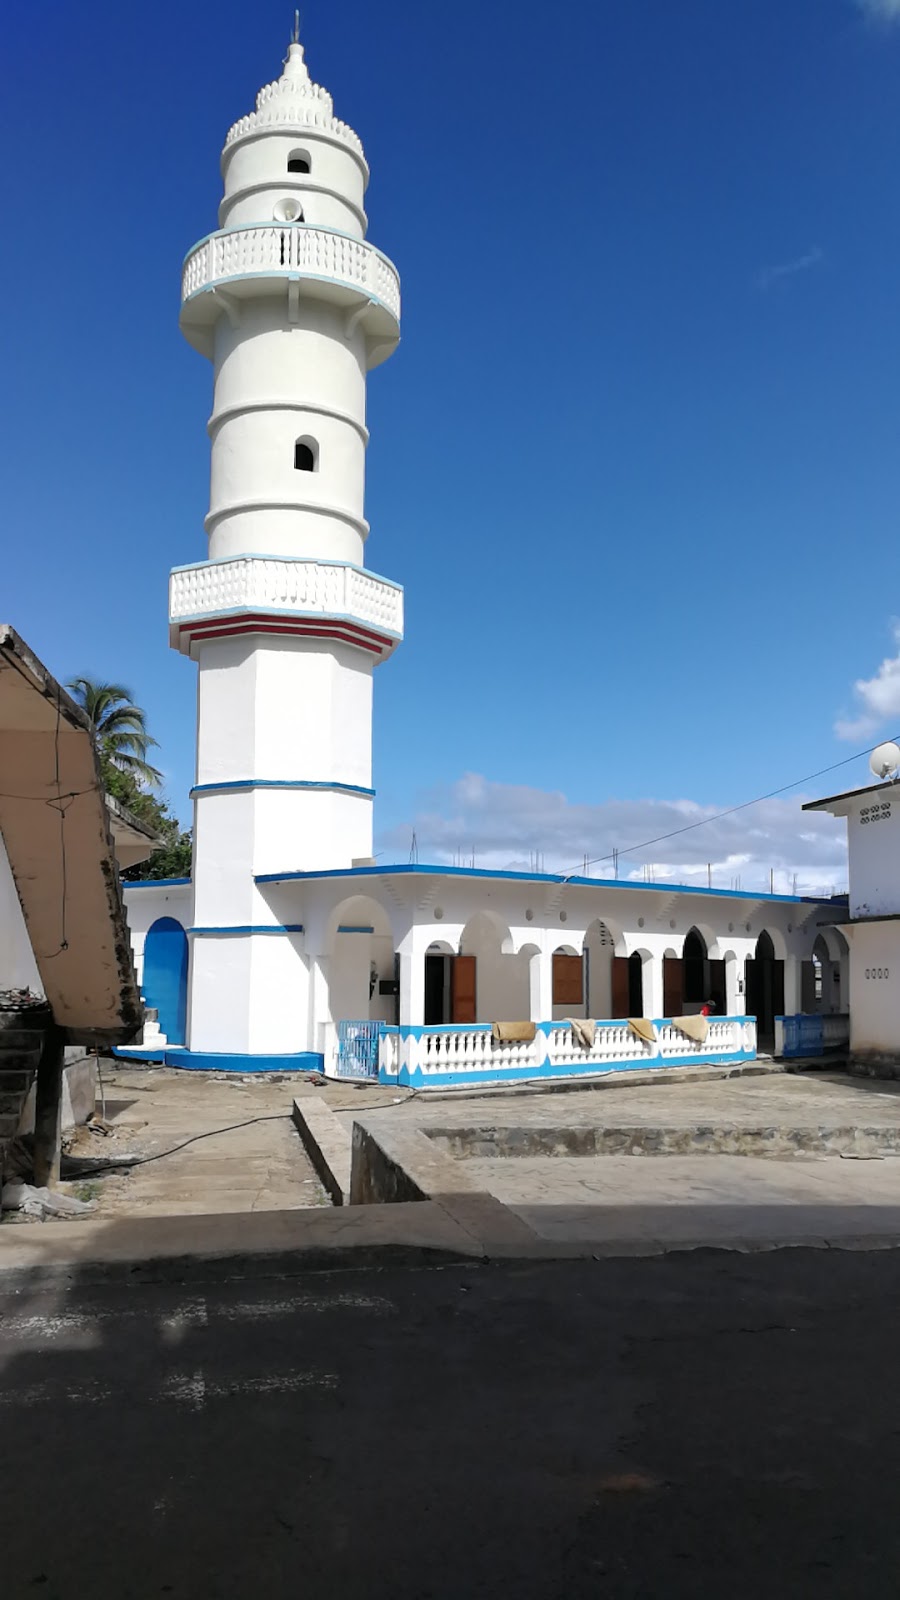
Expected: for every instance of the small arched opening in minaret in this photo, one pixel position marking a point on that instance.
(306, 455)
(298, 161)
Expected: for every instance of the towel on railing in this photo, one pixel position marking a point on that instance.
(643, 1028)
(513, 1032)
(584, 1031)
(696, 1028)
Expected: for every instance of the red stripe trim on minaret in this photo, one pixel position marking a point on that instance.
(346, 632)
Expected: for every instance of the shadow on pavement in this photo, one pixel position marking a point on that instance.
(687, 1426)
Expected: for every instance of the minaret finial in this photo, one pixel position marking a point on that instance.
(295, 36)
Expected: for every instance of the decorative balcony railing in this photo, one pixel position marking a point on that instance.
(423, 1057)
(257, 583)
(292, 250)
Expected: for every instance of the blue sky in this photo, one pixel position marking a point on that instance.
(637, 461)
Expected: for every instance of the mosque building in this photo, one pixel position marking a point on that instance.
(290, 946)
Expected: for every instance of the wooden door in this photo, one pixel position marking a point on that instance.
(717, 987)
(621, 1000)
(673, 986)
(463, 989)
(568, 980)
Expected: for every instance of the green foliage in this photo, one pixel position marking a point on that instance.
(120, 727)
(122, 743)
(173, 858)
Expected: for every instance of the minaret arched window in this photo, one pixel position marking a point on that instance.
(306, 455)
(298, 161)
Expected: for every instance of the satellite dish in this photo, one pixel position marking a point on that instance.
(885, 759)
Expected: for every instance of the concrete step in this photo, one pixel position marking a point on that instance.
(16, 1069)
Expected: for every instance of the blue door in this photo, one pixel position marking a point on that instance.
(165, 976)
(358, 1049)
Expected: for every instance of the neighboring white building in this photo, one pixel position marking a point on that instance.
(872, 927)
(300, 948)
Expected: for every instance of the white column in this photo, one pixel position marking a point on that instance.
(321, 1020)
(540, 986)
(793, 973)
(652, 975)
(412, 988)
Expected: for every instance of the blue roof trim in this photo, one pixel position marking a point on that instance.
(154, 883)
(743, 895)
(259, 555)
(281, 783)
(278, 927)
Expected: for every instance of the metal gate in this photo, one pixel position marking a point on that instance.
(357, 1055)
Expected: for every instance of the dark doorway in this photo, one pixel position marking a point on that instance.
(435, 990)
(694, 962)
(765, 990)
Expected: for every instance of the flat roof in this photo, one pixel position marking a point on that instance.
(577, 881)
(848, 794)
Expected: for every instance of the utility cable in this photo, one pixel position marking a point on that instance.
(731, 811)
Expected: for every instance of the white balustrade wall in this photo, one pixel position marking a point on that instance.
(253, 583)
(315, 252)
(451, 1054)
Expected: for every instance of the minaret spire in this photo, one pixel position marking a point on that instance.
(295, 36)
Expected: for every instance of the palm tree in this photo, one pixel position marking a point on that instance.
(120, 728)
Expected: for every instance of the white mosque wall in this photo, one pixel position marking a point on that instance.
(283, 710)
(331, 194)
(875, 990)
(276, 384)
(145, 903)
(873, 836)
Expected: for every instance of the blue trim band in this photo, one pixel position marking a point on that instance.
(299, 561)
(348, 929)
(745, 897)
(277, 927)
(155, 883)
(281, 783)
(212, 1061)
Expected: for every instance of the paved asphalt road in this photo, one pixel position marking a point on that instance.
(708, 1425)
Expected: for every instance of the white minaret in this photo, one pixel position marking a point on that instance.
(293, 308)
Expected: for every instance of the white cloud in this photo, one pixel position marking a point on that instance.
(511, 827)
(881, 10)
(789, 269)
(878, 697)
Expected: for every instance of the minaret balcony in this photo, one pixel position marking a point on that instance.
(292, 260)
(326, 600)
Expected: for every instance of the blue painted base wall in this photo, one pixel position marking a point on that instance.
(208, 1061)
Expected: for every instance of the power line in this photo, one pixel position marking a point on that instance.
(745, 805)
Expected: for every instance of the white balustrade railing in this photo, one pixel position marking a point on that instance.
(433, 1052)
(258, 583)
(451, 1053)
(297, 249)
(614, 1043)
(726, 1036)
